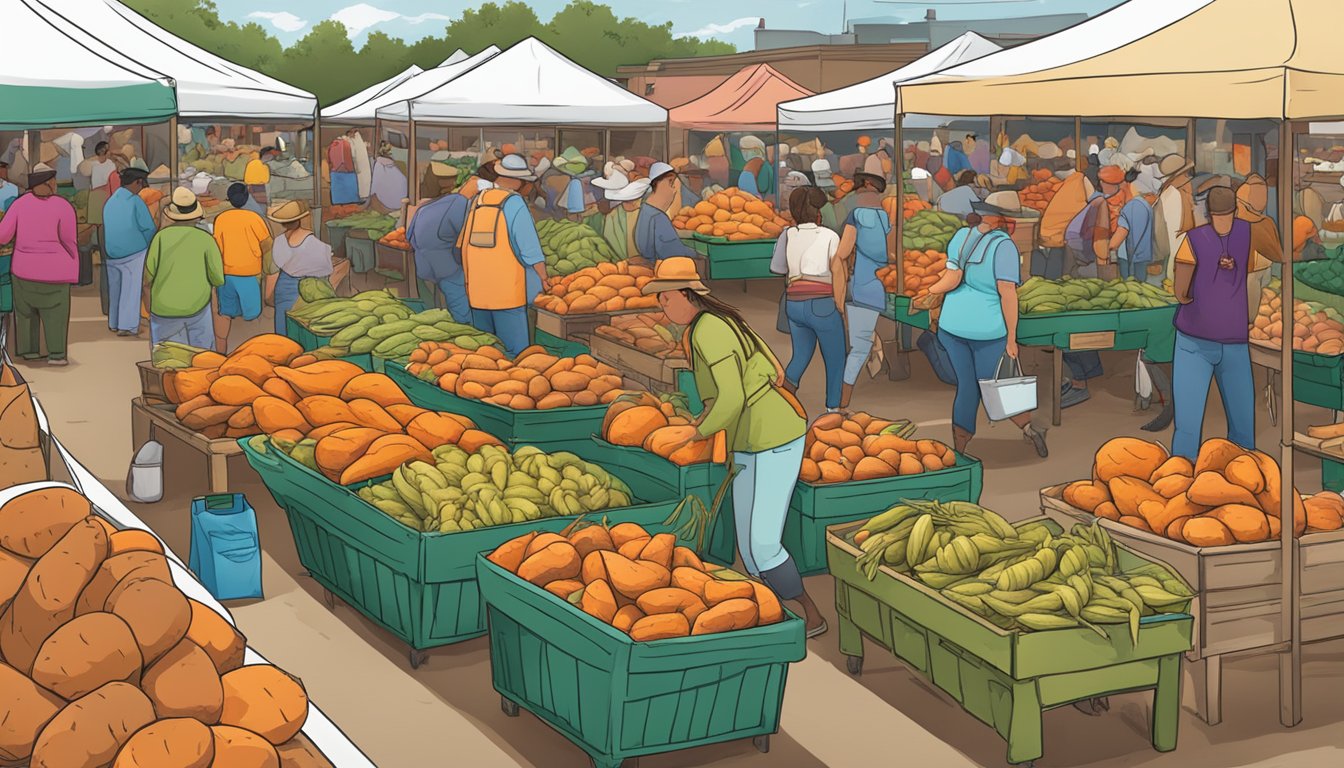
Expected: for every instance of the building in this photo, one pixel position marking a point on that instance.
(931, 32)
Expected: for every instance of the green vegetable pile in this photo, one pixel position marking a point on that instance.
(570, 246)
(930, 231)
(1039, 296)
(377, 224)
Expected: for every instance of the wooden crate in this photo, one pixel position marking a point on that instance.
(578, 327)
(151, 382)
(151, 421)
(657, 374)
(1238, 592)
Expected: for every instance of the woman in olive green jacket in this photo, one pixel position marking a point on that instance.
(739, 379)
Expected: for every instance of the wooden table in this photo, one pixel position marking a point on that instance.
(158, 422)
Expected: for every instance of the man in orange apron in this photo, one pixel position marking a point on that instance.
(502, 260)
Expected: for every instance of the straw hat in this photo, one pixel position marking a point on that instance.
(675, 273)
(1005, 200)
(292, 210)
(184, 206)
(513, 166)
(1173, 165)
(442, 170)
(618, 188)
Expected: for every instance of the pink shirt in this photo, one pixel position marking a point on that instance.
(43, 232)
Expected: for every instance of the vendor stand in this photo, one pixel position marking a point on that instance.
(1152, 72)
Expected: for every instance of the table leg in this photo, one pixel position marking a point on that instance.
(1024, 727)
(897, 352)
(218, 469)
(1167, 703)
(1206, 676)
(1056, 384)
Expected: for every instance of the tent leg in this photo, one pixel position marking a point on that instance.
(1290, 661)
(174, 154)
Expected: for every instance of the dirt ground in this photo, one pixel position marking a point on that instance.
(447, 709)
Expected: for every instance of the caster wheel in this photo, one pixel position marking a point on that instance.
(416, 658)
(854, 664)
(510, 708)
(762, 744)
(328, 599)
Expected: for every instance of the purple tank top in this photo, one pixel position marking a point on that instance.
(1218, 310)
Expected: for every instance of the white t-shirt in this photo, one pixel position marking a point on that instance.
(807, 253)
(100, 172)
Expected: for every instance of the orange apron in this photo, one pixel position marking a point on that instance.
(494, 275)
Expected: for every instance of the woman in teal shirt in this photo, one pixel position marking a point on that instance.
(739, 379)
(978, 324)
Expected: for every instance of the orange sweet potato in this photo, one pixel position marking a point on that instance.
(660, 627)
(385, 455)
(509, 555)
(598, 601)
(727, 616)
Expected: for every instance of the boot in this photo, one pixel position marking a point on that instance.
(960, 439)
(846, 391)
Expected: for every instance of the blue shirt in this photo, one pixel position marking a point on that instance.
(433, 234)
(524, 241)
(955, 161)
(127, 224)
(9, 192)
(871, 225)
(655, 237)
(1137, 218)
(973, 310)
(746, 181)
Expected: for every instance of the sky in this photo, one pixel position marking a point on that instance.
(733, 22)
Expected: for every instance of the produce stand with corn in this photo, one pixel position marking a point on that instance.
(617, 698)
(420, 585)
(1011, 620)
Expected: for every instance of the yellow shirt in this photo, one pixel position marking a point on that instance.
(256, 173)
(239, 234)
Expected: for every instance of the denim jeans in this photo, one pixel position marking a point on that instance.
(125, 281)
(761, 504)
(1197, 363)
(197, 330)
(1083, 365)
(286, 296)
(817, 322)
(972, 360)
(510, 325)
(455, 296)
(862, 328)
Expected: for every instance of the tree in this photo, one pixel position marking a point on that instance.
(592, 35)
(324, 63)
(502, 25)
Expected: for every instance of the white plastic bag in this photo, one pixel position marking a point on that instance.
(1143, 382)
(144, 481)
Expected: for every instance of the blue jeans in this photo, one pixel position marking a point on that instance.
(761, 503)
(125, 281)
(1083, 365)
(455, 296)
(1198, 362)
(813, 322)
(862, 327)
(972, 360)
(197, 330)
(510, 325)
(286, 296)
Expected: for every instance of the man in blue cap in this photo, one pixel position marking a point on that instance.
(655, 237)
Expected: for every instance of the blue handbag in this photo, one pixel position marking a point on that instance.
(225, 546)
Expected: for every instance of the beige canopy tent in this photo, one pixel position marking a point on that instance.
(1229, 59)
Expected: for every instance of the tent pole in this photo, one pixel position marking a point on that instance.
(314, 148)
(1189, 139)
(174, 155)
(1290, 661)
(410, 157)
(898, 232)
(1079, 156)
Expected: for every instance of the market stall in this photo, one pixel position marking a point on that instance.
(1142, 51)
(352, 121)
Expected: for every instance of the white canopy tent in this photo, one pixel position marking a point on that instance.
(1215, 59)
(392, 105)
(529, 84)
(49, 78)
(363, 106)
(871, 104)
(207, 85)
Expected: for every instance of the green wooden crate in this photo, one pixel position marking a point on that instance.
(741, 260)
(421, 587)
(554, 345)
(1007, 679)
(616, 698)
(814, 507)
(1319, 380)
(556, 429)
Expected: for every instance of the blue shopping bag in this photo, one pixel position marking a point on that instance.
(225, 546)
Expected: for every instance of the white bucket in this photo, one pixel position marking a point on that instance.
(144, 483)
(1008, 397)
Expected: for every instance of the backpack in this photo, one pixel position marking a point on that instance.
(1077, 236)
(1161, 246)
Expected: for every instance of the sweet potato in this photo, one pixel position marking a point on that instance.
(25, 708)
(717, 591)
(1215, 454)
(660, 627)
(178, 742)
(266, 701)
(598, 601)
(727, 616)
(185, 683)
(1213, 490)
(1127, 457)
(85, 654)
(510, 554)
(157, 613)
(633, 578)
(49, 593)
(1128, 492)
(1086, 495)
(241, 748)
(1247, 524)
(559, 560)
(1206, 531)
(594, 537)
(31, 523)
(90, 731)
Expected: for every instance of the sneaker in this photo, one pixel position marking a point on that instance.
(1037, 439)
(817, 631)
(125, 333)
(1072, 396)
(58, 362)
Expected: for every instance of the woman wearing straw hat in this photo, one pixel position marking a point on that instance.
(182, 270)
(618, 227)
(297, 253)
(741, 383)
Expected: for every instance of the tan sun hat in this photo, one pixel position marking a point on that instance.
(184, 206)
(288, 211)
(675, 273)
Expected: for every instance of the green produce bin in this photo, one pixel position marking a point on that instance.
(421, 587)
(1318, 380)
(555, 429)
(359, 250)
(815, 507)
(616, 698)
(1007, 679)
(740, 260)
(1332, 475)
(702, 480)
(310, 340)
(554, 345)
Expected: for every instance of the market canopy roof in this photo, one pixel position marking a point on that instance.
(871, 104)
(363, 106)
(207, 85)
(531, 84)
(392, 105)
(744, 102)
(1236, 59)
(48, 78)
